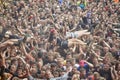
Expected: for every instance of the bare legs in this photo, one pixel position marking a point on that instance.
(72, 42)
(80, 33)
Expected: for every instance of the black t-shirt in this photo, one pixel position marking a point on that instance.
(62, 43)
(59, 41)
(2, 70)
(85, 20)
(2, 33)
(106, 74)
(70, 74)
(70, 25)
(14, 37)
(51, 37)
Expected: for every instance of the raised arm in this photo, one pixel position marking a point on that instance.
(90, 64)
(2, 57)
(26, 54)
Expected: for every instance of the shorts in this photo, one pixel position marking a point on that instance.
(64, 44)
(71, 35)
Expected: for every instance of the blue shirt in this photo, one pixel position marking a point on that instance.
(86, 67)
(60, 1)
(82, 6)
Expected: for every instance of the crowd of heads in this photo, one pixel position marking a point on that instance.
(59, 40)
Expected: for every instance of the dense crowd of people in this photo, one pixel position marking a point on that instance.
(59, 40)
